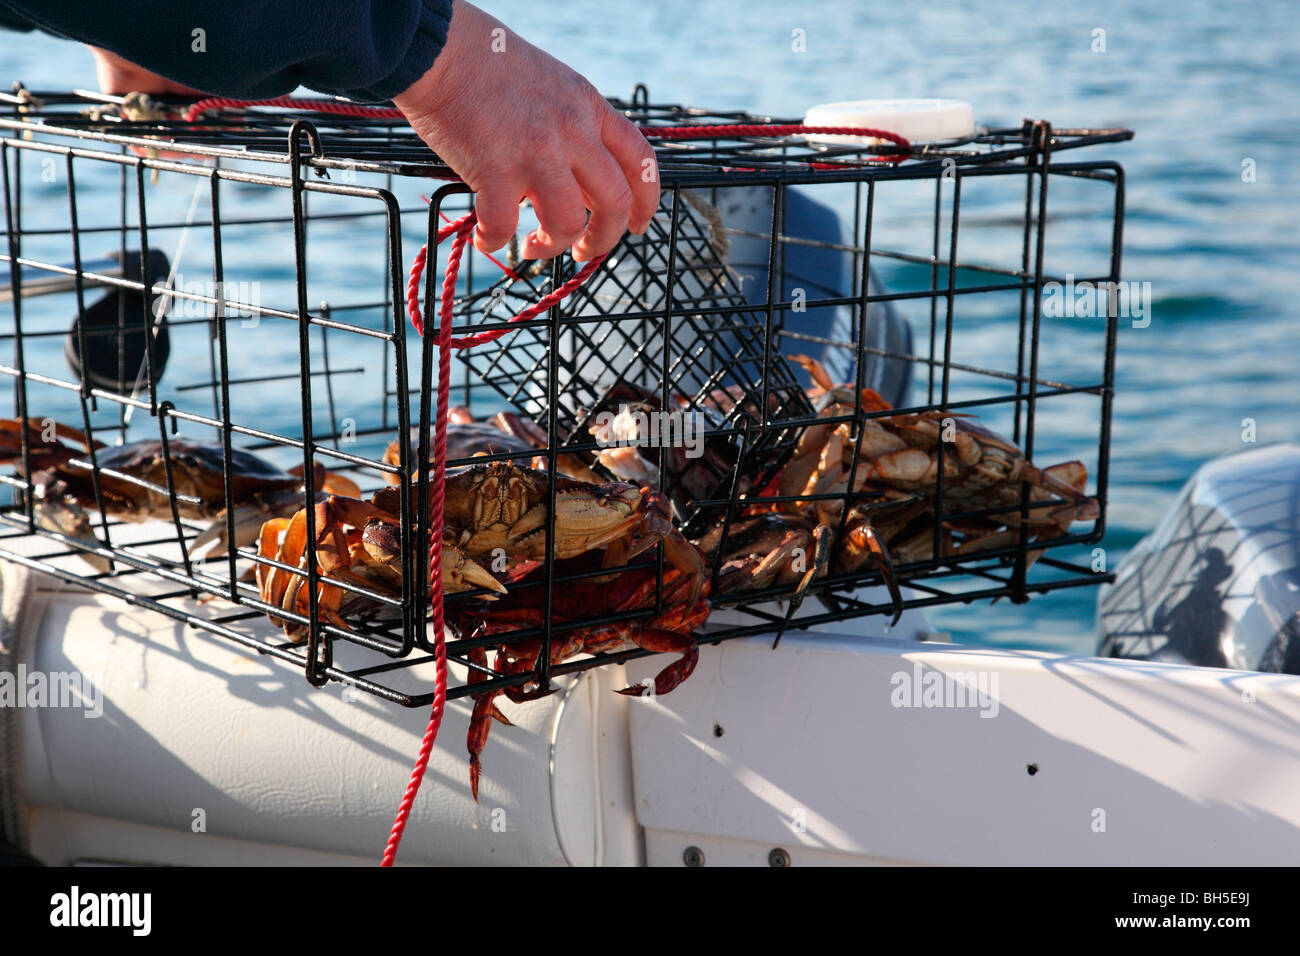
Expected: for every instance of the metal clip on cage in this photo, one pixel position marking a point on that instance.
(269, 249)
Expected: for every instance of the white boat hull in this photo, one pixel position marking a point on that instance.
(833, 750)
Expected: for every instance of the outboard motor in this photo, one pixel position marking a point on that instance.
(1217, 583)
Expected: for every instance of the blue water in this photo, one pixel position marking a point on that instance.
(1205, 85)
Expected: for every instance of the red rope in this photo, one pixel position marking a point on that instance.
(290, 103)
(461, 229)
(479, 338)
(721, 131)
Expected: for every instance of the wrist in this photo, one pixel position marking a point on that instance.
(469, 34)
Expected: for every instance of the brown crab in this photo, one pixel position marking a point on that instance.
(504, 433)
(898, 466)
(900, 455)
(133, 485)
(494, 513)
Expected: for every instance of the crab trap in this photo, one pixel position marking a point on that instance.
(833, 379)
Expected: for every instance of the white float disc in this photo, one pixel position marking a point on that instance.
(918, 121)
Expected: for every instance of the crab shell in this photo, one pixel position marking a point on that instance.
(498, 509)
(62, 472)
(464, 440)
(981, 469)
(491, 510)
(132, 482)
(505, 433)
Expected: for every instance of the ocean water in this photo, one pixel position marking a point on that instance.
(1209, 88)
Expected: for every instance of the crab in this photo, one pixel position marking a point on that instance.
(131, 481)
(891, 496)
(775, 548)
(684, 604)
(505, 433)
(624, 421)
(899, 454)
(898, 463)
(492, 512)
(343, 554)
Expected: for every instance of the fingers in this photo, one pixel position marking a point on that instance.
(561, 215)
(620, 187)
(588, 158)
(497, 206)
(637, 160)
(606, 193)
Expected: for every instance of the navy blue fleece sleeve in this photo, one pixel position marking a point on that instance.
(367, 50)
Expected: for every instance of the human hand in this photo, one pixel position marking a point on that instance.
(515, 123)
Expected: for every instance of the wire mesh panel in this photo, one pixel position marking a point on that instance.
(664, 332)
(818, 387)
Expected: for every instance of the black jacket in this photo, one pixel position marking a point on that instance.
(367, 50)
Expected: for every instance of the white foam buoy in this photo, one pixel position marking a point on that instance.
(917, 120)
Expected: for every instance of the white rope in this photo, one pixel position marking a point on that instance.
(164, 298)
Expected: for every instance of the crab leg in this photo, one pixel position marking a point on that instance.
(485, 708)
(60, 516)
(485, 711)
(11, 441)
(480, 725)
(667, 633)
(865, 538)
(676, 672)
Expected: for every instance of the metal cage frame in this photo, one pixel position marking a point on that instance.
(81, 128)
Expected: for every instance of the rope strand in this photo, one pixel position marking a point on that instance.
(718, 131)
(446, 343)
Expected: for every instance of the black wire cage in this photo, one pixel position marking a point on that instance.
(794, 302)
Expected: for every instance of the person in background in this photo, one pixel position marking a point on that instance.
(512, 121)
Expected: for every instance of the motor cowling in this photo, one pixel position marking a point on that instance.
(1217, 583)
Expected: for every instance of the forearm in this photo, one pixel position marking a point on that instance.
(368, 50)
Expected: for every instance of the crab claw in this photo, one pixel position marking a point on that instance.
(249, 518)
(1068, 480)
(821, 378)
(656, 526)
(65, 518)
(864, 538)
(672, 675)
(248, 523)
(382, 539)
(670, 632)
(460, 573)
